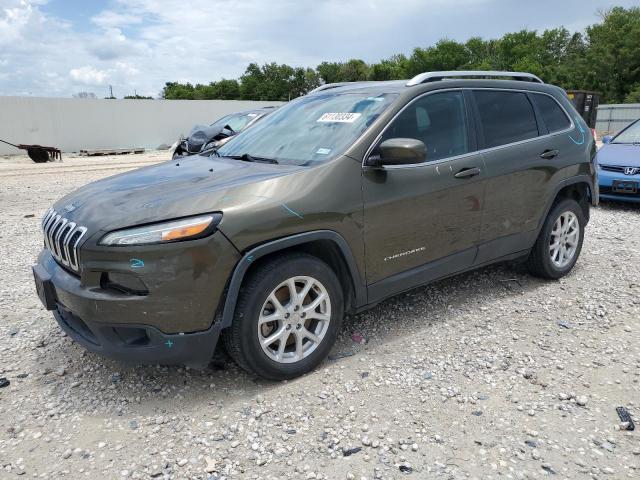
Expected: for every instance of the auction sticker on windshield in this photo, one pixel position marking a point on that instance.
(339, 117)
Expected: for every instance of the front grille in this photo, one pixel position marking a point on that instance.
(612, 168)
(62, 239)
(619, 169)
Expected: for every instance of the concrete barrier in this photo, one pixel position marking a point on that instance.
(73, 124)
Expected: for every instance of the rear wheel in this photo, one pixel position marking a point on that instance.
(287, 318)
(558, 246)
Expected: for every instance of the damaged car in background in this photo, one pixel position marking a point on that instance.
(209, 137)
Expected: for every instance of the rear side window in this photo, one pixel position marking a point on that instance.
(554, 117)
(506, 117)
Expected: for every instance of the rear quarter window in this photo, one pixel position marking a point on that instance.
(506, 117)
(552, 114)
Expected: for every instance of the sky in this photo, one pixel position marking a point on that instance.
(61, 47)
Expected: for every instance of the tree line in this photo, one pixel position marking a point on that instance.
(605, 58)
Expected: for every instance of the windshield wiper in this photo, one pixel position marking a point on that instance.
(245, 157)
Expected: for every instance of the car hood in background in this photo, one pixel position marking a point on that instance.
(169, 190)
(619, 154)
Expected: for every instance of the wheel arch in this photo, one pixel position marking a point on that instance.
(327, 245)
(579, 188)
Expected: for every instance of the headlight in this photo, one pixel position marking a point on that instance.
(173, 231)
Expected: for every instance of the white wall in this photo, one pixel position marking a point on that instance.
(72, 124)
(614, 117)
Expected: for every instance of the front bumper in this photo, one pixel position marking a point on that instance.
(139, 344)
(606, 179)
(171, 323)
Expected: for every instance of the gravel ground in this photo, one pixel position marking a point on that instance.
(492, 374)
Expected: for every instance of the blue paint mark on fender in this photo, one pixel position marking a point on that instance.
(136, 263)
(292, 212)
(581, 129)
(250, 258)
(269, 199)
(169, 343)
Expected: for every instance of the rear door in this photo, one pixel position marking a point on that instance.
(418, 214)
(519, 166)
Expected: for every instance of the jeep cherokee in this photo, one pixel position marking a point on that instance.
(334, 202)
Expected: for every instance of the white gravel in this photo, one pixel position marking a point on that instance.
(492, 374)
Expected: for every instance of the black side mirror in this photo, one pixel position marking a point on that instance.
(400, 151)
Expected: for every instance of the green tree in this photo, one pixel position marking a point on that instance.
(606, 58)
(613, 54)
(354, 71)
(634, 95)
(178, 91)
(226, 90)
(393, 68)
(304, 80)
(330, 72)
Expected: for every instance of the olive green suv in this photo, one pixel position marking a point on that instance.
(334, 202)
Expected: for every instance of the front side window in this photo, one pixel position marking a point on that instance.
(311, 129)
(552, 114)
(630, 135)
(438, 120)
(506, 117)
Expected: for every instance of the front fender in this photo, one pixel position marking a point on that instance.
(360, 291)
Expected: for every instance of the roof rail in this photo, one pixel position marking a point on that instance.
(435, 76)
(328, 86)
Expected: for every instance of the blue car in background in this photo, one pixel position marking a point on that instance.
(619, 165)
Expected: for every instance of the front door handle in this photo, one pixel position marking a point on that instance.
(549, 154)
(468, 172)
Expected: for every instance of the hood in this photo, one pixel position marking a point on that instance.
(620, 154)
(190, 186)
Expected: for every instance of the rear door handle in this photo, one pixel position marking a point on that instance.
(549, 154)
(468, 172)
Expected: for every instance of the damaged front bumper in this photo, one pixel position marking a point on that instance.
(166, 317)
(140, 344)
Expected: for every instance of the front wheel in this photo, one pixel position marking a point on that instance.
(559, 243)
(287, 318)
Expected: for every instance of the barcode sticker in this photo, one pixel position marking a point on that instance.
(346, 117)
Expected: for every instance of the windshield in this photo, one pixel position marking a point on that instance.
(630, 135)
(310, 130)
(237, 121)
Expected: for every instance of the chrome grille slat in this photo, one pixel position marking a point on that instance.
(62, 238)
(53, 230)
(65, 242)
(47, 227)
(58, 233)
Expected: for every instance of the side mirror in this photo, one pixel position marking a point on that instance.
(607, 139)
(401, 151)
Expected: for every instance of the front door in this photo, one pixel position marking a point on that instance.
(423, 221)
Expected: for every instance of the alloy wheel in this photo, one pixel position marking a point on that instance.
(294, 319)
(564, 239)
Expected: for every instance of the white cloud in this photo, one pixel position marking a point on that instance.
(88, 75)
(111, 19)
(141, 44)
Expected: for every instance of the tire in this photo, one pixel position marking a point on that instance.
(291, 354)
(553, 264)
